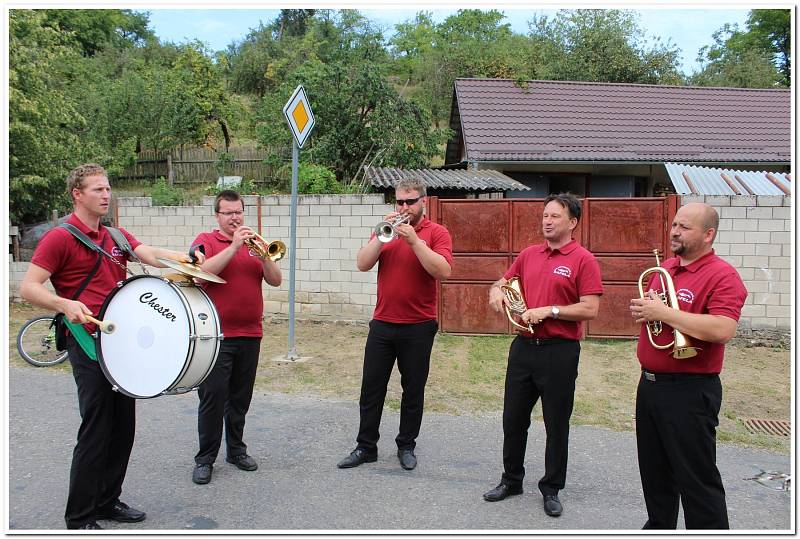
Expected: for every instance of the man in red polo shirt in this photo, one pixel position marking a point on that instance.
(108, 418)
(678, 400)
(562, 287)
(226, 393)
(404, 323)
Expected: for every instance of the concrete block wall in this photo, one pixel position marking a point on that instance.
(755, 237)
(330, 231)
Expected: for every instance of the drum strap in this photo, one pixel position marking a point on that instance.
(83, 338)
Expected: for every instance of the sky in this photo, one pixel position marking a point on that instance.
(689, 29)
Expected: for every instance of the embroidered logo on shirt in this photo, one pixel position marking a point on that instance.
(563, 271)
(117, 252)
(686, 296)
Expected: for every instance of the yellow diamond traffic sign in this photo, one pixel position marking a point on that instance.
(299, 115)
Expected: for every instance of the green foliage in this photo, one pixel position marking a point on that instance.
(164, 194)
(311, 179)
(600, 45)
(759, 57)
(360, 118)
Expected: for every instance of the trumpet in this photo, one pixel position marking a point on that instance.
(516, 302)
(681, 345)
(386, 231)
(259, 247)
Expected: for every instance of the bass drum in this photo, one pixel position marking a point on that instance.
(166, 340)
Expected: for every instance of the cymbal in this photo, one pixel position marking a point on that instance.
(191, 269)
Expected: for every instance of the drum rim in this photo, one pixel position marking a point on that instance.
(99, 348)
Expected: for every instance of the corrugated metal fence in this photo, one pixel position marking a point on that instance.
(202, 165)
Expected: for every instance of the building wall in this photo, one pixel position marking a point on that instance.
(754, 236)
(330, 231)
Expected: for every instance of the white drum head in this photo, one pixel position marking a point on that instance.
(147, 351)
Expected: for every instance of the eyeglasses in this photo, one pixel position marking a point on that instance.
(230, 213)
(408, 201)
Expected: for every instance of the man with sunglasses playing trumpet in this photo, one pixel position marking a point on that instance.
(562, 287)
(678, 400)
(227, 391)
(411, 258)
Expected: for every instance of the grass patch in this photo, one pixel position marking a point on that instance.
(468, 372)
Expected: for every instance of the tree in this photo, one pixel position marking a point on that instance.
(98, 29)
(360, 117)
(600, 46)
(43, 122)
(759, 57)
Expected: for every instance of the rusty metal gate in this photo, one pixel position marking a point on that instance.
(489, 233)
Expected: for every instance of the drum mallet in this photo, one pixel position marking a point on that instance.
(103, 325)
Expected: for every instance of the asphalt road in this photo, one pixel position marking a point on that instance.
(298, 440)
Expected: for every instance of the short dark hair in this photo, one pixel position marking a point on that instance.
(227, 194)
(569, 201)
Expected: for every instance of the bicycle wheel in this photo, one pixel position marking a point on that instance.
(36, 343)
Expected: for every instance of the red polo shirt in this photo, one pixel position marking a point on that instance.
(407, 294)
(556, 277)
(239, 302)
(69, 262)
(709, 285)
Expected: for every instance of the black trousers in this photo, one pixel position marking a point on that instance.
(676, 421)
(548, 371)
(225, 395)
(411, 345)
(105, 440)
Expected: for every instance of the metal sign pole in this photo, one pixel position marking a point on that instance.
(292, 354)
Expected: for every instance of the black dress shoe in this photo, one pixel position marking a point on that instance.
(501, 492)
(356, 458)
(408, 460)
(121, 512)
(202, 473)
(552, 505)
(243, 462)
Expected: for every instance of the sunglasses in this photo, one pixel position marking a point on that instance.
(408, 201)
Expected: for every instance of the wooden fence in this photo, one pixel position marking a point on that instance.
(201, 165)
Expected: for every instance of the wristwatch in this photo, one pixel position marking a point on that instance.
(555, 312)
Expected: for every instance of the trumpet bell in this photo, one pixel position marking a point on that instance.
(386, 231)
(274, 250)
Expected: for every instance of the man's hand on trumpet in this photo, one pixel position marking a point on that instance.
(649, 308)
(241, 234)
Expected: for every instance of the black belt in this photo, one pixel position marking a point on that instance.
(543, 341)
(675, 376)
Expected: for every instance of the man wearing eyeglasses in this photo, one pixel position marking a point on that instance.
(226, 393)
(404, 322)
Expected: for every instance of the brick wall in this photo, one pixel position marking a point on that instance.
(755, 237)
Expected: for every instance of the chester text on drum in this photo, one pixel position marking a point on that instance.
(163, 311)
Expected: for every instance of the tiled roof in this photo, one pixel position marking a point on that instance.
(468, 180)
(581, 121)
(692, 180)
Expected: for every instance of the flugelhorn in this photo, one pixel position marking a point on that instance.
(681, 346)
(386, 231)
(512, 290)
(274, 250)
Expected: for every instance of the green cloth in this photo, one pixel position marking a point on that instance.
(85, 340)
